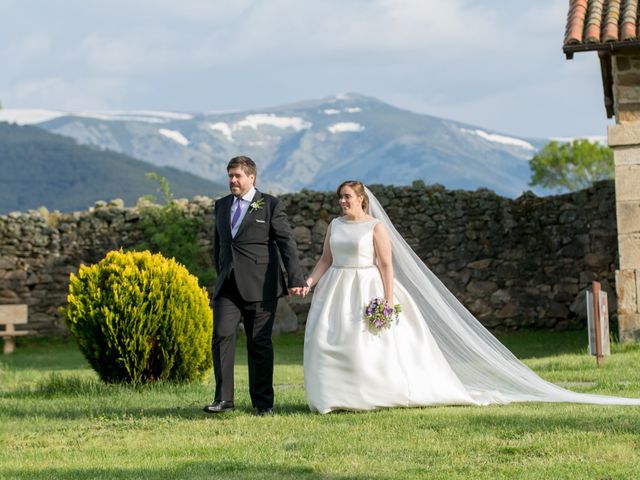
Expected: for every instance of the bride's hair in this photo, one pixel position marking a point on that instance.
(358, 187)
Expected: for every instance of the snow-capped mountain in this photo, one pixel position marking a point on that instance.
(314, 144)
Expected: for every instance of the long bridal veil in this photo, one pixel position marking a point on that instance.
(489, 371)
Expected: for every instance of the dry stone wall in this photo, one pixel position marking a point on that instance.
(513, 263)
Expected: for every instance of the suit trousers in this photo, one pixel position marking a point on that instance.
(257, 318)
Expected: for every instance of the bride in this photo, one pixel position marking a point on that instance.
(436, 352)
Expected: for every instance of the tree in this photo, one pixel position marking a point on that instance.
(571, 166)
(169, 230)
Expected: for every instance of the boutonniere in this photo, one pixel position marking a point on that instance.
(257, 205)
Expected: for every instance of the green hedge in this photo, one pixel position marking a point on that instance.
(140, 317)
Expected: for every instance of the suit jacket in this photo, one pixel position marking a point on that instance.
(253, 254)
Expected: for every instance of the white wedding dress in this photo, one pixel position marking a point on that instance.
(437, 353)
(349, 367)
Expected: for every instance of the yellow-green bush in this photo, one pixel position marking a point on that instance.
(139, 317)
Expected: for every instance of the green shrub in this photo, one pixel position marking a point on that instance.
(139, 317)
(169, 231)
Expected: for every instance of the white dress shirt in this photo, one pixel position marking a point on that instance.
(246, 200)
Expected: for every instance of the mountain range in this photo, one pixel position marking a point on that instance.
(314, 144)
(40, 168)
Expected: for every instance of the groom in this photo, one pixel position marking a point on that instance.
(251, 236)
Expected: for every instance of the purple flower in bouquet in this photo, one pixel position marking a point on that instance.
(379, 314)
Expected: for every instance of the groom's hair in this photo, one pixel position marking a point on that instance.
(247, 165)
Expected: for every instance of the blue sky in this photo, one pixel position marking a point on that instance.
(494, 64)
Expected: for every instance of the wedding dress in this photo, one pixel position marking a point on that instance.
(437, 353)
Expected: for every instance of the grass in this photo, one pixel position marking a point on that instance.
(58, 421)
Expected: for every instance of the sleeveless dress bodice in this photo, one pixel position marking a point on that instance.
(349, 367)
(351, 243)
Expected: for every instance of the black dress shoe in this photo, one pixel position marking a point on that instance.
(219, 407)
(264, 411)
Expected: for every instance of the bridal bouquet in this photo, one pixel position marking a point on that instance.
(379, 315)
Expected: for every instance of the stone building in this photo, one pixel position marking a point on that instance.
(610, 27)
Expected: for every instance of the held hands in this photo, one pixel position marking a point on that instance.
(301, 291)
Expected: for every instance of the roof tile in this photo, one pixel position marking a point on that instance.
(629, 21)
(575, 21)
(593, 23)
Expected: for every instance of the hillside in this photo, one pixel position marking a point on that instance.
(39, 168)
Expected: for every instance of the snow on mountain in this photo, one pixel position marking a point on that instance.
(28, 116)
(334, 111)
(174, 135)
(261, 119)
(223, 128)
(312, 144)
(147, 116)
(345, 127)
(255, 121)
(492, 137)
(35, 116)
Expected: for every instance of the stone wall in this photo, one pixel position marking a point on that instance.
(624, 139)
(626, 90)
(514, 263)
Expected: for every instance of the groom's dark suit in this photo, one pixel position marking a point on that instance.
(250, 280)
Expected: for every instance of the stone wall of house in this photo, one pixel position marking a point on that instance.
(624, 139)
(514, 263)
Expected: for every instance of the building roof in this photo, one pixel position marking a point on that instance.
(603, 25)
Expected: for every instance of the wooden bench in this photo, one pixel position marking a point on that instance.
(11, 315)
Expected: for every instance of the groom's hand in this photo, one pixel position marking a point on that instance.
(297, 291)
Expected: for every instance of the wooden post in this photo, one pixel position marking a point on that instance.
(596, 288)
(9, 343)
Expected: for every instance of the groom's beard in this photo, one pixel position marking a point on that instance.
(236, 190)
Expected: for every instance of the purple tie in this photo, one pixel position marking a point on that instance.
(236, 214)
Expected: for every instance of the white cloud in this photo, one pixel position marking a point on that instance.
(132, 52)
(494, 63)
(32, 45)
(53, 92)
(432, 28)
(23, 52)
(210, 13)
(602, 140)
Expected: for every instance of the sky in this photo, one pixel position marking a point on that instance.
(494, 64)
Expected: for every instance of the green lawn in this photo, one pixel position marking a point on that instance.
(58, 421)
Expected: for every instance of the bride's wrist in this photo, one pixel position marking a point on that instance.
(309, 282)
